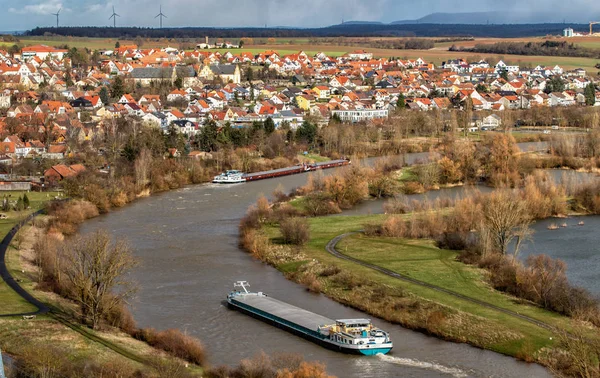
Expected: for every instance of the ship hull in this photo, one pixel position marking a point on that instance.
(274, 173)
(307, 334)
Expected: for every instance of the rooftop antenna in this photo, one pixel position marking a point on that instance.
(242, 284)
(114, 16)
(161, 15)
(56, 14)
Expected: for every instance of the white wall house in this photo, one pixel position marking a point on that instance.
(360, 115)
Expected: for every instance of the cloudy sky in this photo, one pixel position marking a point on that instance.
(26, 14)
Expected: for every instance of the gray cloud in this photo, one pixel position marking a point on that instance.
(25, 14)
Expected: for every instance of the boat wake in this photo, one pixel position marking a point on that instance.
(455, 372)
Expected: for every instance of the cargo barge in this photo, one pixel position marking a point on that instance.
(234, 177)
(353, 336)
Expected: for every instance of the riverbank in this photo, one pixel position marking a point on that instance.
(12, 302)
(56, 341)
(409, 304)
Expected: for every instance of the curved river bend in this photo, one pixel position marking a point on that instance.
(187, 243)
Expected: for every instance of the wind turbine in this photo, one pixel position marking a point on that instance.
(114, 17)
(56, 14)
(161, 15)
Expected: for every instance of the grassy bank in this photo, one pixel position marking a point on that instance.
(57, 340)
(11, 301)
(409, 304)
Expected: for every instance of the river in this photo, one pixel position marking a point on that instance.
(187, 243)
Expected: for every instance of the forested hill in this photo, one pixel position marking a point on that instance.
(348, 30)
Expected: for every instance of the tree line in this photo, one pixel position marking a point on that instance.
(546, 48)
(350, 30)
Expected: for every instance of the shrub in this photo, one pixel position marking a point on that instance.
(284, 211)
(295, 231)
(394, 227)
(330, 270)
(120, 317)
(311, 282)
(413, 187)
(317, 204)
(70, 213)
(279, 365)
(396, 205)
(449, 171)
(382, 186)
(174, 342)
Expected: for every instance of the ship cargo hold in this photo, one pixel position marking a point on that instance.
(353, 336)
(232, 177)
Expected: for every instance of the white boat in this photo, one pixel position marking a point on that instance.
(229, 177)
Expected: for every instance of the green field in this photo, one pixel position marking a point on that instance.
(11, 302)
(90, 43)
(422, 260)
(287, 51)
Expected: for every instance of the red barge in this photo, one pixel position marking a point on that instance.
(295, 170)
(232, 177)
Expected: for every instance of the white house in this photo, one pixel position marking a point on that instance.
(4, 100)
(490, 122)
(359, 115)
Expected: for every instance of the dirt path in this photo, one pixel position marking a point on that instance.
(10, 280)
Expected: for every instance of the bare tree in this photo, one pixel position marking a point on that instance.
(581, 354)
(96, 270)
(142, 168)
(505, 218)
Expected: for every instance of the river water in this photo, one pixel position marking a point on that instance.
(187, 243)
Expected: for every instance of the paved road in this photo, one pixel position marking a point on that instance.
(9, 279)
(332, 250)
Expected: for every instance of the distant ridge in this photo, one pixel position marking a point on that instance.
(483, 18)
(362, 23)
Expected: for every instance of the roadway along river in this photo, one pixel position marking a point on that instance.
(187, 243)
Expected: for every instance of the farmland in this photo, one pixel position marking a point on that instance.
(284, 46)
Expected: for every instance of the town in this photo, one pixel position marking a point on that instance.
(51, 95)
(444, 175)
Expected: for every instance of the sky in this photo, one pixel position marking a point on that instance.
(26, 14)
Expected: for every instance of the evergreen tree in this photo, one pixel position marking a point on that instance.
(481, 88)
(504, 74)
(224, 137)
(307, 132)
(590, 94)
(117, 45)
(175, 139)
(19, 206)
(401, 103)
(26, 201)
(117, 89)
(68, 77)
(555, 85)
(104, 96)
(208, 136)
(178, 82)
(269, 125)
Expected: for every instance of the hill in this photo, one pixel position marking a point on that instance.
(483, 18)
